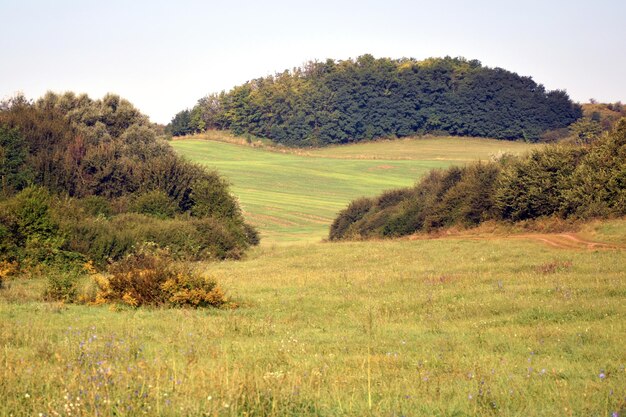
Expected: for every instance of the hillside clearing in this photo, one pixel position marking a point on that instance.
(293, 195)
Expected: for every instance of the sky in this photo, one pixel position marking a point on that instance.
(165, 55)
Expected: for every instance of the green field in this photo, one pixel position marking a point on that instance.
(481, 325)
(449, 327)
(293, 195)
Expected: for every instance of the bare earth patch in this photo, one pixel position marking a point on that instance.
(557, 240)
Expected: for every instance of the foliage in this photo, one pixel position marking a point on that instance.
(585, 130)
(181, 124)
(74, 169)
(150, 277)
(29, 232)
(575, 181)
(598, 184)
(536, 186)
(606, 114)
(61, 286)
(13, 172)
(155, 203)
(333, 102)
(6, 270)
(355, 211)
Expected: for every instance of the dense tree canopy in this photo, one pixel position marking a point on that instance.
(102, 183)
(342, 101)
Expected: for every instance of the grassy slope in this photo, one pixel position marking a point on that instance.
(294, 195)
(458, 327)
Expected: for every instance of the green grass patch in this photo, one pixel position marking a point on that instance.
(293, 195)
(458, 328)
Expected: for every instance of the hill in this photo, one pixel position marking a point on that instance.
(334, 102)
(293, 195)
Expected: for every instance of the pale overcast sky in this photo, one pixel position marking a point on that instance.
(164, 55)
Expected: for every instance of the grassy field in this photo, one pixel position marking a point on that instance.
(449, 327)
(479, 324)
(293, 195)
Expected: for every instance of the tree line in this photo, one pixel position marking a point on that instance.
(567, 181)
(84, 179)
(358, 99)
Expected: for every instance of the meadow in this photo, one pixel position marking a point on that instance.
(294, 195)
(465, 325)
(441, 327)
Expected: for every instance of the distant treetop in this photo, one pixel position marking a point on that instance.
(365, 98)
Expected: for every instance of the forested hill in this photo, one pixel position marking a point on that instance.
(342, 101)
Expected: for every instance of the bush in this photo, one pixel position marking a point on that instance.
(599, 181)
(535, 186)
(353, 213)
(155, 203)
(187, 238)
(62, 286)
(94, 205)
(150, 277)
(29, 232)
(6, 270)
(556, 182)
(470, 201)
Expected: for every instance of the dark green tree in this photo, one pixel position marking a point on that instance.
(181, 124)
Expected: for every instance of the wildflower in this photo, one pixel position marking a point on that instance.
(602, 375)
(27, 395)
(470, 396)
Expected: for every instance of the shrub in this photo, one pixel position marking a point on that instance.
(29, 231)
(353, 213)
(211, 198)
(94, 205)
(62, 286)
(251, 234)
(392, 197)
(150, 277)
(599, 181)
(155, 203)
(469, 201)
(105, 240)
(535, 186)
(6, 270)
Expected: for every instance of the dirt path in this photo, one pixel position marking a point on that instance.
(566, 241)
(556, 240)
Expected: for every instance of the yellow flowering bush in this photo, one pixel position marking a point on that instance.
(150, 277)
(7, 269)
